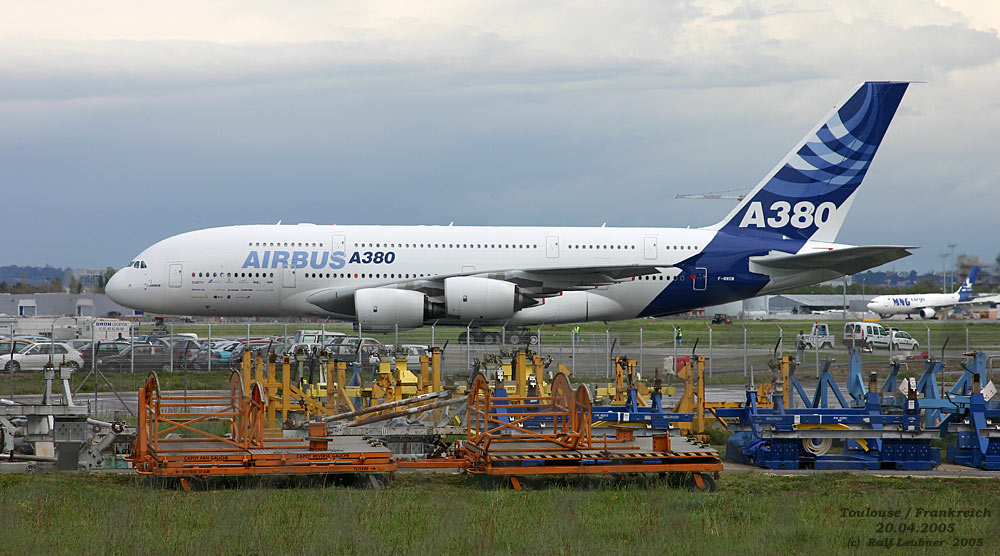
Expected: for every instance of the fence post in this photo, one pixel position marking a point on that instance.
(816, 346)
(93, 349)
(781, 341)
(433, 327)
(607, 353)
(928, 341)
(744, 351)
(209, 348)
(572, 356)
(640, 350)
(360, 341)
(709, 327)
(967, 338)
(675, 346)
(468, 345)
(538, 348)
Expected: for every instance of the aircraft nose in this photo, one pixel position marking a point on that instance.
(117, 289)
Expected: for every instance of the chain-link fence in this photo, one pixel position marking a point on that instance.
(200, 355)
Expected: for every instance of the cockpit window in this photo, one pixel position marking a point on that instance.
(142, 264)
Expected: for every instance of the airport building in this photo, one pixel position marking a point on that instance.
(61, 304)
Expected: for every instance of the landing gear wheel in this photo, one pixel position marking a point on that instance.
(702, 482)
(514, 338)
(490, 339)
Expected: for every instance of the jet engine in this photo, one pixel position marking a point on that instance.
(470, 298)
(927, 313)
(384, 308)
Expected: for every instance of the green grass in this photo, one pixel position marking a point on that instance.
(751, 513)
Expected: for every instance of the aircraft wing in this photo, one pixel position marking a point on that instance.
(848, 260)
(535, 283)
(546, 282)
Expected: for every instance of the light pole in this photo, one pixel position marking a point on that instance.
(944, 273)
(952, 262)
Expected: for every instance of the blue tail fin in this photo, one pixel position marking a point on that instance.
(807, 195)
(965, 292)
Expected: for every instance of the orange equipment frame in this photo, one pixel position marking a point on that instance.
(161, 450)
(545, 435)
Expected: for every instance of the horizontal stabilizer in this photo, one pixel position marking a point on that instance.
(848, 260)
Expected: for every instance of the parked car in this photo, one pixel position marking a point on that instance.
(185, 350)
(413, 353)
(32, 338)
(148, 357)
(13, 346)
(901, 340)
(316, 336)
(350, 345)
(103, 349)
(78, 343)
(221, 352)
(36, 356)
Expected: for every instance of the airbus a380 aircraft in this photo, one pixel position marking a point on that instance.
(780, 236)
(923, 304)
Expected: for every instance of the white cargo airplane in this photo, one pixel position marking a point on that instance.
(780, 236)
(924, 304)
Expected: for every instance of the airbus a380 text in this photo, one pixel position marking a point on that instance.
(781, 236)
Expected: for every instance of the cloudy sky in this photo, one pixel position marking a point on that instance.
(127, 122)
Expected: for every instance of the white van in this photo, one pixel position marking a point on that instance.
(873, 335)
(316, 336)
(866, 334)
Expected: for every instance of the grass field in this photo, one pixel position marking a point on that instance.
(751, 513)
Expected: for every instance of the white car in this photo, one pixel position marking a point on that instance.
(36, 356)
(901, 340)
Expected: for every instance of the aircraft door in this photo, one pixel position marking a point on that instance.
(175, 277)
(288, 277)
(338, 243)
(649, 248)
(700, 278)
(552, 247)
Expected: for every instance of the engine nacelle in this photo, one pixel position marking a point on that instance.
(470, 298)
(927, 313)
(384, 308)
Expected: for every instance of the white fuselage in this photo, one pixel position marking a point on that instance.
(271, 270)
